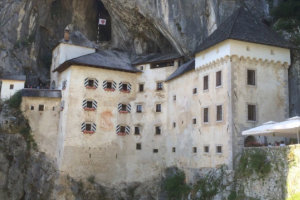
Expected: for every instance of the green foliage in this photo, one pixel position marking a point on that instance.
(91, 179)
(232, 196)
(254, 162)
(26, 133)
(176, 186)
(15, 101)
(294, 196)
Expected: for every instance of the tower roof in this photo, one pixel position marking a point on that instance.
(243, 26)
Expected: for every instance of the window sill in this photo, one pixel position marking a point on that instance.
(121, 134)
(89, 87)
(219, 86)
(89, 109)
(88, 132)
(109, 89)
(123, 112)
(125, 91)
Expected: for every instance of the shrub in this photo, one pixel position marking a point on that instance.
(175, 186)
(15, 101)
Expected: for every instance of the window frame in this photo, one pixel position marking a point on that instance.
(158, 130)
(195, 91)
(256, 112)
(41, 107)
(195, 150)
(137, 127)
(204, 83)
(219, 120)
(158, 107)
(194, 121)
(11, 86)
(219, 79)
(141, 87)
(138, 146)
(139, 110)
(255, 77)
(204, 149)
(159, 86)
(219, 145)
(203, 114)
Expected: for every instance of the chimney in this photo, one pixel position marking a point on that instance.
(67, 34)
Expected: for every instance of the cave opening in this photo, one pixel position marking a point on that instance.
(103, 23)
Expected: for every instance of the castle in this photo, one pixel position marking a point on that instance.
(124, 120)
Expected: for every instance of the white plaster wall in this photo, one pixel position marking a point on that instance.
(6, 92)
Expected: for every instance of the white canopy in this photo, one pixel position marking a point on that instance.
(288, 128)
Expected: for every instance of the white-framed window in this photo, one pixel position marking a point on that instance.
(174, 124)
(219, 113)
(91, 83)
(124, 108)
(89, 105)
(159, 86)
(88, 127)
(139, 108)
(109, 86)
(155, 150)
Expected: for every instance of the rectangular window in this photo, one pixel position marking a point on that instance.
(206, 149)
(195, 91)
(123, 107)
(11, 86)
(136, 130)
(88, 127)
(194, 121)
(252, 112)
(91, 83)
(41, 107)
(194, 149)
(158, 107)
(139, 108)
(155, 150)
(157, 130)
(251, 77)
(205, 115)
(174, 97)
(124, 87)
(205, 82)
(219, 113)
(173, 149)
(122, 129)
(218, 149)
(89, 104)
(174, 124)
(218, 78)
(159, 86)
(53, 108)
(141, 87)
(109, 85)
(31, 107)
(138, 146)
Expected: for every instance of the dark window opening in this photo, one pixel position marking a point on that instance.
(173, 149)
(251, 112)
(174, 98)
(205, 115)
(157, 130)
(194, 121)
(41, 107)
(137, 130)
(139, 108)
(155, 150)
(219, 149)
(142, 68)
(89, 104)
(159, 86)
(174, 124)
(205, 83)
(162, 64)
(124, 107)
(138, 146)
(31, 107)
(195, 91)
(141, 87)
(194, 149)
(251, 77)
(158, 107)
(11, 86)
(218, 78)
(219, 113)
(206, 149)
(124, 87)
(122, 129)
(109, 85)
(53, 108)
(88, 127)
(91, 83)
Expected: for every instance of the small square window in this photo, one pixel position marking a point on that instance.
(89, 104)
(137, 130)
(88, 127)
(252, 112)
(195, 91)
(109, 85)
(138, 146)
(11, 86)
(139, 108)
(251, 77)
(174, 124)
(194, 149)
(159, 86)
(218, 149)
(124, 87)
(53, 108)
(218, 78)
(31, 107)
(173, 149)
(158, 107)
(194, 121)
(206, 149)
(124, 107)
(142, 68)
(205, 82)
(157, 130)
(41, 107)
(205, 115)
(174, 97)
(91, 83)
(155, 150)
(219, 113)
(141, 87)
(122, 129)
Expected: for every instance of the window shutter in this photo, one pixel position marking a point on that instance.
(84, 103)
(96, 82)
(119, 107)
(120, 85)
(94, 127)
(128, 107)
(95, 104)
(129, 86)
(127, 130)
(114, 85)
(104, 84)
(83, 126)
(118, 129)
(86, 82)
